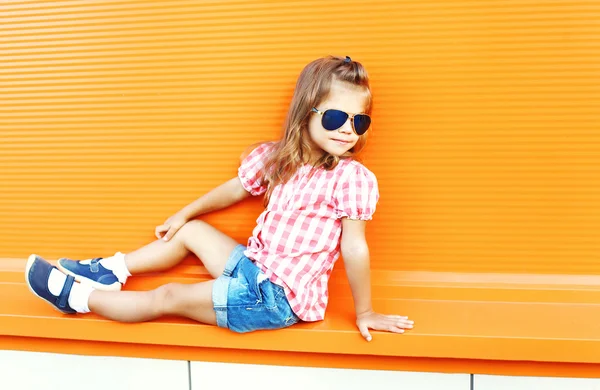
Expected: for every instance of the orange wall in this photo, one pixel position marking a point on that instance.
(486, 141)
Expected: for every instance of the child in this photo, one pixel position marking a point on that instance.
(318, 199)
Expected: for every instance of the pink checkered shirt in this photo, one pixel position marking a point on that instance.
(296, 239)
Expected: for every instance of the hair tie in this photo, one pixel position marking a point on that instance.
(348, 59)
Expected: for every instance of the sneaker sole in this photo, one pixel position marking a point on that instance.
(98, 286)
(30, 262)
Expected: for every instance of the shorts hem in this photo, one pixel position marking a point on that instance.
(219, 297)
(221, 286)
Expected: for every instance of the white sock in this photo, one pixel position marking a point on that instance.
(117, 265)
(79, 296)
(56, 281)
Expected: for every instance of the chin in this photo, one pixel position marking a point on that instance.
(340, 154)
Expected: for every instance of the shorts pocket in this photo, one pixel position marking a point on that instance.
(267, 293)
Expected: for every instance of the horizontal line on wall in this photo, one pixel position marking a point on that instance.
(442, 15)
(581, 57)
(276, 32)
(32, 9)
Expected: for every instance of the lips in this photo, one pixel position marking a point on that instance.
(340, 141)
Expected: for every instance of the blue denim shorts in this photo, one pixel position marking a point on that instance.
(245, 300)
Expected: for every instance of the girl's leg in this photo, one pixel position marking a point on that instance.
(188, 300)
(192, 301)
(210, 245)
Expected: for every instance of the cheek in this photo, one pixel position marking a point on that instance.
(315, 128)
(314, 124)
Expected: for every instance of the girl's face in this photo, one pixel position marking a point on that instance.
(345, 97)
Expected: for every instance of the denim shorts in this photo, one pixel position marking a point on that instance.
(245, 300)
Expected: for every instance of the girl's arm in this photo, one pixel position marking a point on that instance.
(223, 196)
(355, 252)
(219, 198)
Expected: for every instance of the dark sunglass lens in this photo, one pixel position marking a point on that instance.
(361, 123)
(334, 119)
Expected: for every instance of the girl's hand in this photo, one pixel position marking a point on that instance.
(168, 229)
(376, 321)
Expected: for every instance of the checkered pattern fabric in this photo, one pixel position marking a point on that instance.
(296, 239)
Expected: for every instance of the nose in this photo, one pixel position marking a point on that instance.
(346, 127)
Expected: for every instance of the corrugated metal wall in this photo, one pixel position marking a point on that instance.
(486, 141)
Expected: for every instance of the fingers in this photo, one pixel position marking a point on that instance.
(388, 326)
(394, 324)
(166, 231)
(395, 329)
(389, 323)
(399, 321)
(160, 230)
(404, 323)
(171, 232)
(364, 331)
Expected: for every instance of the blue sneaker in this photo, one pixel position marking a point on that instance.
(37, 273)
(91, 272)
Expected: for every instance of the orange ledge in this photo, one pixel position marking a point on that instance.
(497, 324)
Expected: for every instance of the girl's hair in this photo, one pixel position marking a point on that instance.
(313, 86)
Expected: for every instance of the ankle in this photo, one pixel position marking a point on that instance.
(117, 265)
(80, 296)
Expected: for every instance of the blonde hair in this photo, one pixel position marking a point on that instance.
(313, 86)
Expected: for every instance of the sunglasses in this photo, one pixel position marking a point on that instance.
(334, 119)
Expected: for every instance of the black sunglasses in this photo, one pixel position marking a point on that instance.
(334, 119)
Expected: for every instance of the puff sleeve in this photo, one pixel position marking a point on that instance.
(250, 171)
(357, 193)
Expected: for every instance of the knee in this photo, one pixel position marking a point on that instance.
(191, 229)
(166, 298)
